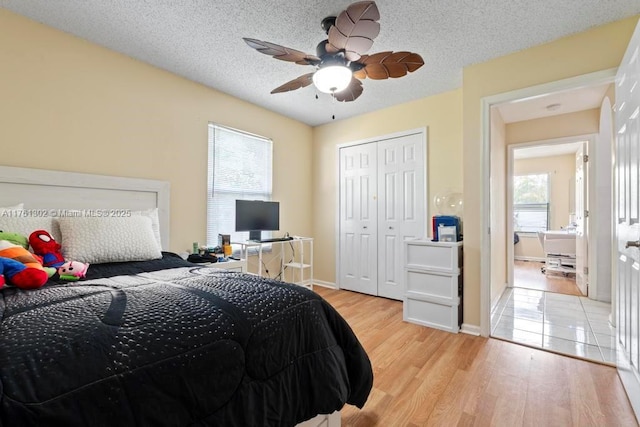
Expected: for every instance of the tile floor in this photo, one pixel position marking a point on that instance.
(565, 324)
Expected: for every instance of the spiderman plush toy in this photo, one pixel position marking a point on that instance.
(45, 246)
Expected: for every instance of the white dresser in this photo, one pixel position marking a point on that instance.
(433, 284)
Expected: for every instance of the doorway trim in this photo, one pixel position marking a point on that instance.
(598, 77)
(422, 131)
(590, 139)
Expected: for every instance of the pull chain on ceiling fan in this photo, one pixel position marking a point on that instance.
(340, 60)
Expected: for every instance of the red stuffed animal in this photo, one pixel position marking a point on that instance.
(21, 276)
(46, 247)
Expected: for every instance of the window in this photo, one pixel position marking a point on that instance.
(531, 203)
(239, 167)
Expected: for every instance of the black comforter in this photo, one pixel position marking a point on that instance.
(173, 344)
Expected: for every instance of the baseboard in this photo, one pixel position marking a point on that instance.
(496, 299)
(324, 284)
(470, 329)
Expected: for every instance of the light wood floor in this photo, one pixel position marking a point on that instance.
(424, 376)
(527, 274)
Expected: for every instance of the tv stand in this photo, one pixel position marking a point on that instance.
(298, 271)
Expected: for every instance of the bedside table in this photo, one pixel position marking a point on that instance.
(239, 266)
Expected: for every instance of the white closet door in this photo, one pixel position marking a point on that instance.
(401, 207)
(358, 219)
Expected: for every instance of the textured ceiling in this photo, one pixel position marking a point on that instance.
(202, 40)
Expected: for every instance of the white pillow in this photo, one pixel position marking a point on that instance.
(155, 222)
(20, 221)
(98, 240)
(151, 213)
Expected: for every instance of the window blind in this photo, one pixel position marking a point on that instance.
(239, 167)
(531, 203)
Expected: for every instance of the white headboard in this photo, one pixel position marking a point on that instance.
(47, 189)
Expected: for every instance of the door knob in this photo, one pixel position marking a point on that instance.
(632, 243)
(364, 226)
(390, 228)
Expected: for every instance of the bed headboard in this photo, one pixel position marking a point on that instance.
(48, 189)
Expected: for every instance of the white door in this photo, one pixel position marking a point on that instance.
(401, 208)
(358, 219)
(582, 260)
(627, 216)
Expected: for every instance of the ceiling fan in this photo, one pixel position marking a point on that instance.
(340, 60)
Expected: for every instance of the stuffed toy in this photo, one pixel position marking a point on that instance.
(21, 276)
(43, 245)
(15, 238)
(72, 270)
(12, 246)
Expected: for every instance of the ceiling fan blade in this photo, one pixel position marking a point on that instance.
(384, 65)
(282, 53)
(351, 93)
(297, 83)
(354, 30)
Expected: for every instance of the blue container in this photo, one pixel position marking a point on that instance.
(445, 220)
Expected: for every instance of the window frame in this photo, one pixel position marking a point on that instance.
(532, 207)
(246, 193)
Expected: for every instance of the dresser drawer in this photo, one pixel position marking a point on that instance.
(438, 256)
(432, 314)
(433, 284)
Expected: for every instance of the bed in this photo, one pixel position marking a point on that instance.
(559, 248)
(161, 341)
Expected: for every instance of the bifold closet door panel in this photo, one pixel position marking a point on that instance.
(358, 219)
(401, 207)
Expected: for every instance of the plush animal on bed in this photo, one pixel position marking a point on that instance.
(13, 246)
(19, 275)
(44, 245)
(72, 270)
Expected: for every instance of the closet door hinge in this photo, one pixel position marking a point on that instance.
(586, 213)
(585, 158)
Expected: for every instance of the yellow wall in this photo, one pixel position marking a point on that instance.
(71, 105)
(598, 49)
(440, 114)
(571, 124)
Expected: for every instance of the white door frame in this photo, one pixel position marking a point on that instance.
(421, 131)
(599, 77)
(589, 138)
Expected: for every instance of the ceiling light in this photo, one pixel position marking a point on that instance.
(332, 78)
(553, 107)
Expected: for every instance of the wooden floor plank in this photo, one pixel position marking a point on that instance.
(528, 274)
(424, 376)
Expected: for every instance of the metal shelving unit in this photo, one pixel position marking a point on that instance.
(299, 270)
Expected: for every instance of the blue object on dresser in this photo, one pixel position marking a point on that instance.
(446, 220)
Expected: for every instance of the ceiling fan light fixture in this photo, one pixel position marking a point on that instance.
(332, 78)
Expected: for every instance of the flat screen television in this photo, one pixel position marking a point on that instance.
(256, 216)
